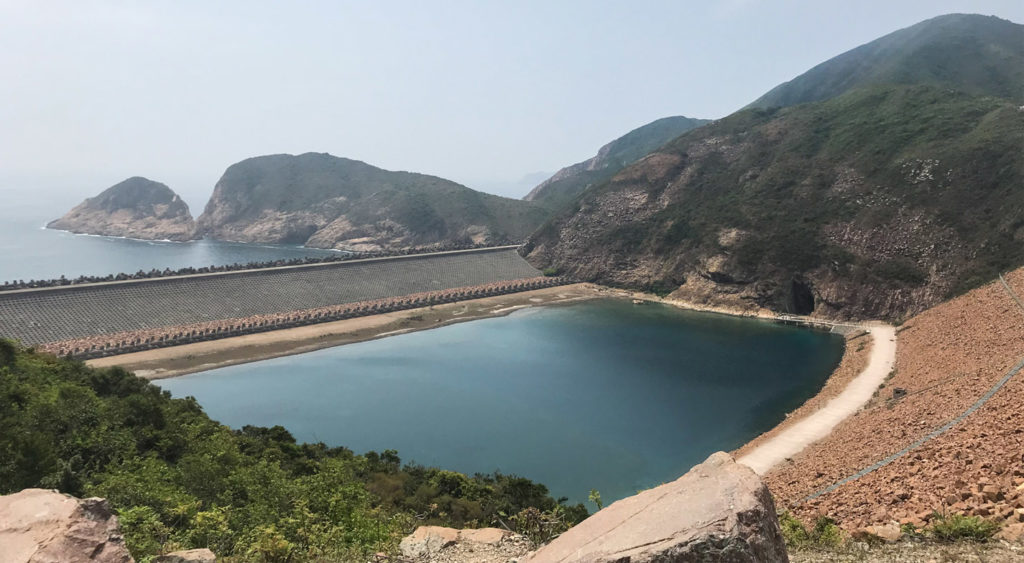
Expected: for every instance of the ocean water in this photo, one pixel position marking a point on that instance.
(601, 395)
(29, 251)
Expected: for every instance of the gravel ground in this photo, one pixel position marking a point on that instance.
(948, 357)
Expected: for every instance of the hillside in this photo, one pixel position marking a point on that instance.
(981, 55)
(135, 208)
(178, 479)
(325, 201)
(568, 182)
(878, 203)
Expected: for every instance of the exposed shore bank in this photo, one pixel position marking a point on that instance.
(201, 356)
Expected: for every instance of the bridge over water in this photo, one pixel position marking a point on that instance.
(36, 316)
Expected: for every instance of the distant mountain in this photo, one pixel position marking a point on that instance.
(876, 203)
(570, 181)
(325, 201)
(135, 208)
(981, 55)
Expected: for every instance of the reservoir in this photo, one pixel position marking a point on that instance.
(602, 395)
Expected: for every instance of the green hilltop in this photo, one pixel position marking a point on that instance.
(980, 55)
(326, 201)
(879, 202)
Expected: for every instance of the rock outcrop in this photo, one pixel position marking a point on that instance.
(135, 208)
(718, 512)
(324, 201)
(42, 526)
(437, 544)
(568, 182)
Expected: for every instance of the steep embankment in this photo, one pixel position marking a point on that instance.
(980, 55)
(948, 357)
(328, 202)
(135, 208)
(567, 183)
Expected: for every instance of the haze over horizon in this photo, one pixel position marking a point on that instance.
(480, 93)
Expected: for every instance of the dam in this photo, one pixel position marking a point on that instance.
(67, 313)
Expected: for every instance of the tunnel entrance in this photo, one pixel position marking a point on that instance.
(801, 297)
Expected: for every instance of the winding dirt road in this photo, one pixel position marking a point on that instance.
(819, 424)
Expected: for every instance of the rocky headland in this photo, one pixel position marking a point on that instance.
(324, 201)
(135, 208)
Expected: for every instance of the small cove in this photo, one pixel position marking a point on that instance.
(602, 394)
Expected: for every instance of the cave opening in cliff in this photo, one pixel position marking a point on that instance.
(801, 298)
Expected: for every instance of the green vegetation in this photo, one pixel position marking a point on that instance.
(888, 188)
(550, 272)
(610, 160)
(313, 191)
(595, 497)
(180, 480)
(893, 167)
(825, 533)
(952, 51)
(954, 527)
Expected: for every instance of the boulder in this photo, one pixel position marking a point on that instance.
(38, 525)
(720, 511)
(201, 555)
(428, 543)
(426, 540)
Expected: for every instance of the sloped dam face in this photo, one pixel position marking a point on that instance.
(601, 395)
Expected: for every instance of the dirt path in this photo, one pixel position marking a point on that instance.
(820, 423)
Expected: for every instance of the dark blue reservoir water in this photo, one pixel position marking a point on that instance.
(600, 395)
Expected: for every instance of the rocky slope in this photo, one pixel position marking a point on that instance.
(981, 55)
(878, 203)
(135, 208)
(568, 182)
(325, 201)
(948, 358)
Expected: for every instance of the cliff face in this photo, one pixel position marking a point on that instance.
(894, 180)
(878, 203)
(568, 182)
(328, 202)
(135, 208)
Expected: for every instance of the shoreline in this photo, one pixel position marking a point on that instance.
(193, 358)
(174, 361)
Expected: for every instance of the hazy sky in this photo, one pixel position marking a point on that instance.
(478, 92)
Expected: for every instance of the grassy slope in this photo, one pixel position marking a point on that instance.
(179, 480)
(894, 188)
(981, 55)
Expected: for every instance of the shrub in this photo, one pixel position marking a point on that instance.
(552, 271)
(825, 532)
(953, 527)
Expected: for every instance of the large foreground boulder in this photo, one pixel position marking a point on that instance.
(41, 526)
(718, 512)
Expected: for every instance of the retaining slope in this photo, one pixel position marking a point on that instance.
(70, 312)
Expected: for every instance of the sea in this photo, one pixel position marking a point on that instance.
(29, 251)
